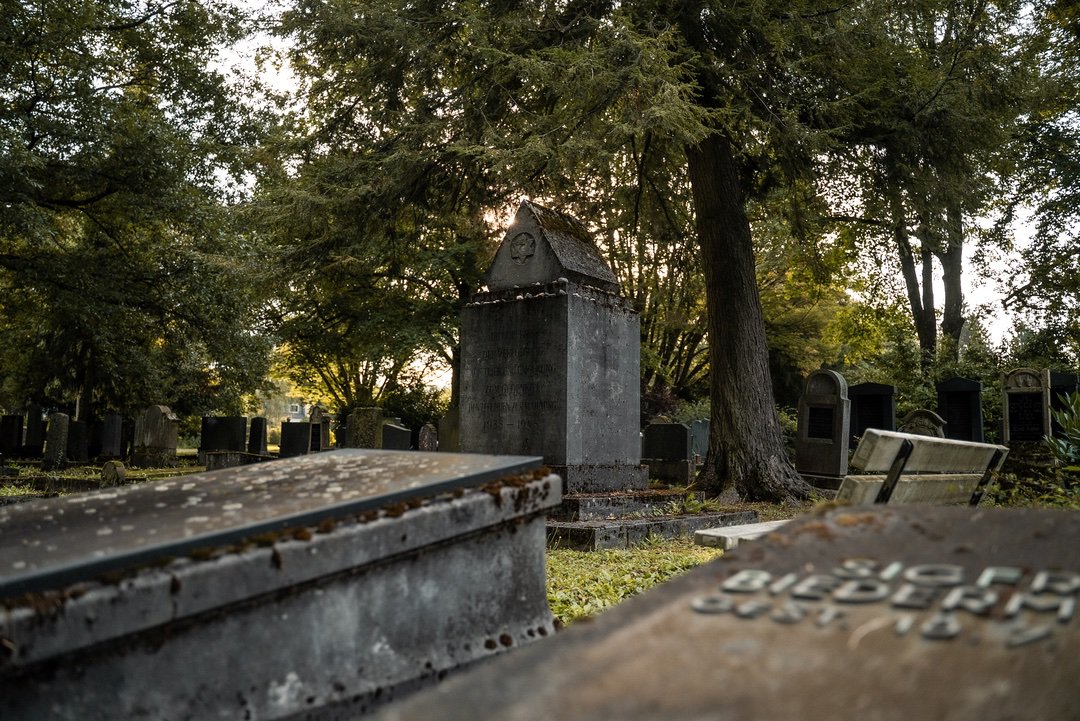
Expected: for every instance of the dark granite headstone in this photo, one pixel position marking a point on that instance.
(550, 357)
(56, 442)
(1061, 386)
(295, 440)
(11, 435)
(223, 433)
(78, 442)
(821, 442)
(396, 438)
(112, 437)
(873, 405)
(35, 432)
(320, 441)
(869, 614)
(667, 442)
(1026, 405)
(960, 404)
(257, 436)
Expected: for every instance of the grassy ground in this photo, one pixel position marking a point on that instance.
(583, 583)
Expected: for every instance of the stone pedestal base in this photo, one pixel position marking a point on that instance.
(581, 478)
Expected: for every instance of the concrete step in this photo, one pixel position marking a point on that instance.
(594, 535)
(728, 537)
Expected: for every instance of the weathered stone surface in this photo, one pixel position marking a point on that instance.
(595, 535)
(112, 437)
(56, 442)
(450, 432)
(923, 422)
(364, 428)
(113, 473)
(155, 437)
(428, 438)
(423, 563)
(886, 614)
(960, 404)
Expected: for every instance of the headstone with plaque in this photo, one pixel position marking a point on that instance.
(667, 449)
(396, 437)
(923, 422)
(320, 420)
(960, 404)
(1025, 405)
(883, 614)
(550, 357)
(821, 441)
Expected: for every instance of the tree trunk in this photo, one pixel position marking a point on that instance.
(952, 320)
(746, 452)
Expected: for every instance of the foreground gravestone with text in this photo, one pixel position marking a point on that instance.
(550, 357)
(313, 587)
(862, 615)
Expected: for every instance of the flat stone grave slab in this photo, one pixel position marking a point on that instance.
(314, 587)
(730, 536)
(597, 535)
(874, 614)
(58, 541)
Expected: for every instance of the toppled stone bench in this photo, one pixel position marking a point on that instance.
(917, 469)
(877, 613)
(310, 587)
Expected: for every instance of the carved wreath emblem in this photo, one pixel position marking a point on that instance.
(522, 247)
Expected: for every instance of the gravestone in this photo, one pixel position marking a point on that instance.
(320, 420)
(428, 438)
(35, 432)
(257, 437)
(873, 405)
(113, 473)
(78, 442)
(1061, 386)
(550, 357)
(1025, 406)
(154, 442)
(112, 437)
(868, 614)
(11, 435)
(56, 442)
(363, 428)
(923, 422)
(223, 433)
(449, 432)
(295, 439)
(821, 441)
(667, 450)
(960, 404)
(699, 434)
(396, 437)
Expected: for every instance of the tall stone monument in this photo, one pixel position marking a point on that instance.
(1025, 405)
(550, 357)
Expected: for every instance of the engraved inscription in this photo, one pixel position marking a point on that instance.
(1026, 416)
(936, 601)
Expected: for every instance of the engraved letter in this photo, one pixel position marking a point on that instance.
(999, 574)
(912, 596)
(1062, 583)
(970, 598)
(941, 627)
(747, 581)
(866, 590)
(935, 574)
(815, 588)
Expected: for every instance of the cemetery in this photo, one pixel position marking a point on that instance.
(397, 361)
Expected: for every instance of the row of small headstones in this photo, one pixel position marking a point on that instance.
(152, 437)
